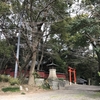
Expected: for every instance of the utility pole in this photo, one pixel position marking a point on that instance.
(17, 54)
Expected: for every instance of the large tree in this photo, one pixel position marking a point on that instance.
(88, 25)
(29, 16)
(5, 48)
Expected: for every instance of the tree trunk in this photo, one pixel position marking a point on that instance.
(98, 55)
(38, 67)
(32, 69)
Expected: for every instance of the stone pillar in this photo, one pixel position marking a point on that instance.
(89, 81)
(71, 71)
(52, 79)
(70, 78)
(74, 76)
(52, 74)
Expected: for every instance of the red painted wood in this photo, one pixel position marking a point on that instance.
(42, 74)
(70, 71)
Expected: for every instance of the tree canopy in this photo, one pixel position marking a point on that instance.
(49, 32)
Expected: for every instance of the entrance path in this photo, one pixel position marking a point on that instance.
(73, 92)
(82, 87)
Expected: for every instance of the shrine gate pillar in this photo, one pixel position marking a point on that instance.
(72, 74)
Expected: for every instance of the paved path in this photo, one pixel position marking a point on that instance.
(83, 87)
(69, 93)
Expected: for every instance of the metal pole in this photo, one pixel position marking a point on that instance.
(17, 54)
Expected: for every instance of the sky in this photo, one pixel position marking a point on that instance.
(77, 9)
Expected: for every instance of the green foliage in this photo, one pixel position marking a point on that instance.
(89, 2)
(11, 89)
(78, 40)
(16, 6)
(60, 27)
(99, 73)
(61, 79)
(4, 8)
(23, 93)
(57, 58)
(97, 49)
(36, 75)
(5, 49)
(4, 78)
(87, 68)
(83, 24)
(13, 81)
(45, 85)
(60, 6)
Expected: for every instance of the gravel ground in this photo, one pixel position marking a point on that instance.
(69, 93)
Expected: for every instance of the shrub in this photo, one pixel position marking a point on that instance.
(4, 78)
(46, 85)
(23, 93)
(99, 73)
(13, 81)
(11, 89)
(0, 79)
(61, 79)
(36, 75)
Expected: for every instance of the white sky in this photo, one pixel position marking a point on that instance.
(78, 9)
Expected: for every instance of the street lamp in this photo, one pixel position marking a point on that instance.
(17, 54)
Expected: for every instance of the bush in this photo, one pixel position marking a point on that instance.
(13, 81)
(61, 79)
(36, 75)
(4, 78)
(0, 78)
(46, 85)
(11, 89)
(99, 73)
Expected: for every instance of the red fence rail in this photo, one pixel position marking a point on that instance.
(42, 74)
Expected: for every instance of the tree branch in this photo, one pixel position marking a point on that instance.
(44, 9)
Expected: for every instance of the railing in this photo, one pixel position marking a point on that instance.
(42, 74)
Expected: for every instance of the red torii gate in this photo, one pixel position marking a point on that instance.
(71, 72)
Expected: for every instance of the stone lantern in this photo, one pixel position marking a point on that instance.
(52, 78)
(52, 71)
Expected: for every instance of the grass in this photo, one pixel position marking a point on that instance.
(23, 93)
(11, 89)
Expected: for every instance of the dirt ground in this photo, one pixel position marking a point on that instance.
(65, 94)
(25, 89)
(71, 92)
